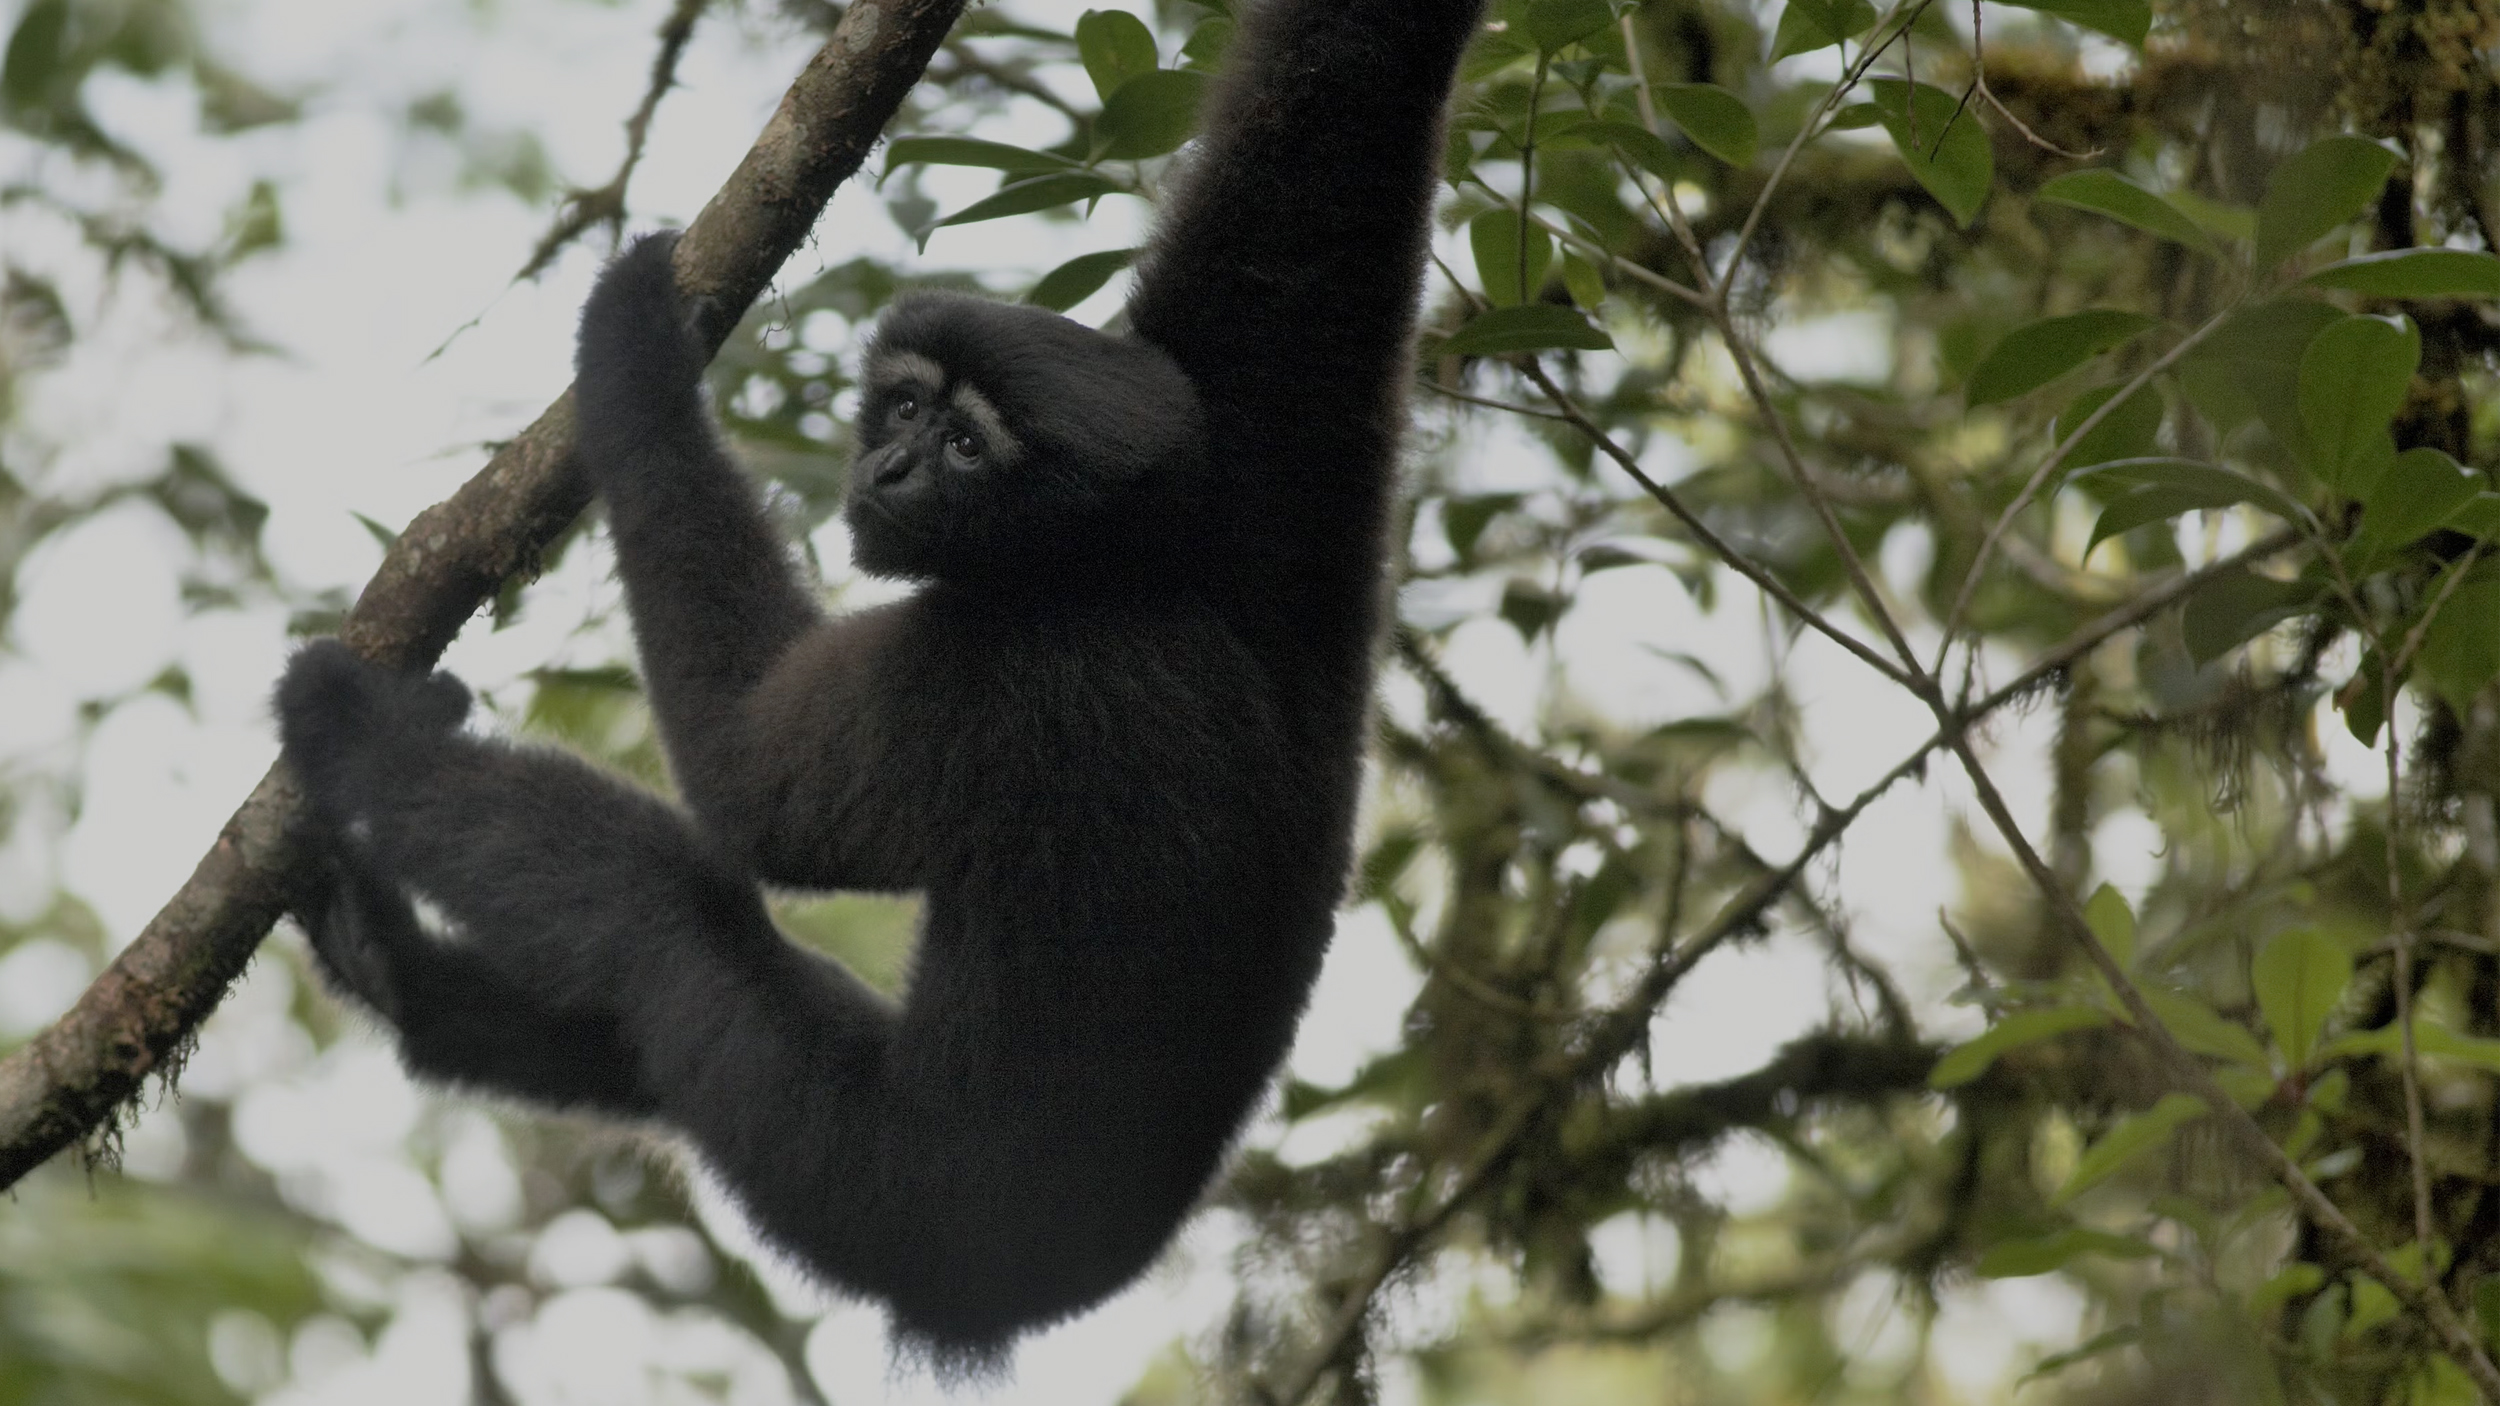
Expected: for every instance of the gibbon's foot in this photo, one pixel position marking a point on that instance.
(637, 337)
(458, 1017)
(333, 705)
(352, 957)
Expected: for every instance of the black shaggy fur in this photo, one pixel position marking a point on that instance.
(1114, 738)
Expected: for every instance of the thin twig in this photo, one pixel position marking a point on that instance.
(2050, 465)
(1979, 82)
(1860, 579)
(2190, 1073)
(962, 60)
(2424, 1299)
(605, 205)
(1718, 546)
(1668, 209)
(1615, 1033)
(1489, 402)
(2400, 924)
(1906, 15)
(1623, 1024)
(1527, 172)
(2400, 919)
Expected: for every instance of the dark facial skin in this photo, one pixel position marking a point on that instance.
(1114, 738)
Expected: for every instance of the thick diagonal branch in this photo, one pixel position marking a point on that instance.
(72, 1076)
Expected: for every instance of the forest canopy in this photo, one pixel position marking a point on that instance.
(1932, 834)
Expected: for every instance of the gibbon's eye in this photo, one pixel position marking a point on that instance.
(965, 446)
(906, 407)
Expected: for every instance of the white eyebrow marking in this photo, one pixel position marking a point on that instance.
(895, 368)
(977, 408)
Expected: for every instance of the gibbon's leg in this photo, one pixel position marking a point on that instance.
(457, 1019)
(710, 584)
(573, 911)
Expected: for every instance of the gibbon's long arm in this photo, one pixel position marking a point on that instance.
(1284, 275)
(714, 595)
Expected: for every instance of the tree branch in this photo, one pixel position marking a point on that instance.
(71, 1078)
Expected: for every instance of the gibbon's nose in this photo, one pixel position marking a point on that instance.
(893, 471)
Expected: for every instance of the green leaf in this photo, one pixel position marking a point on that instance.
(1463, 520)
(2415, 273)
(1949, 157)
(1717, 120)
(384, 535)
(1078, 279)
(2203, 1030)
(38, 53)
(2487, 1307)
(1152, 114)
(1491, 51)
(2164, 488)
(1530, 327)
(2419, 492)
(2429, 1040)
(2372, 1306)
(1968, 1061)
(2277, 330)
(2290, 1282)
(1028, 195)
(1830, 16)
(2111, 194)
(2112, 924)
(2238, 605)
(2298, 977)
(2043, 1254)
(1115, 46)
(2128, 432)
(2037, 353)
(969, 151)
(1554, 24)
(1808, 25)
(2363, 699)
(2250, 369)
(1208, 42)
(1645, 147)
(1531, 607)
(2353, 380)
(1507, 278)
(2315, 190)
(2124, 1335)
(2126, 21)
(2461, 649)
(2132, 1137)
(1587, 284)
(2478, 517)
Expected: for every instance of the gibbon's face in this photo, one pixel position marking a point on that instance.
(997, 439)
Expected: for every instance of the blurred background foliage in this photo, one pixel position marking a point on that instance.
(2107, 381)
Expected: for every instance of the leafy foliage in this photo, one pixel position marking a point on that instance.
(2177, 432)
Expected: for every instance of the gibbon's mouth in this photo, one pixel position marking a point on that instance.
(898, 518)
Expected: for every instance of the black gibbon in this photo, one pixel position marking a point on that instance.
(1114, 737)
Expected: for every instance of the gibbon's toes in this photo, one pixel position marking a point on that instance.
(321, 700)
(635, 333)
(330, 700)
(438, 702)
(351, 959)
